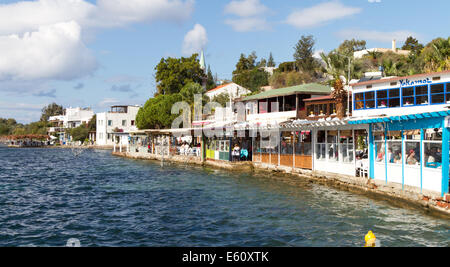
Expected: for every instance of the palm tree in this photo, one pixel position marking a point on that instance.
(437, 55)
(336, 66)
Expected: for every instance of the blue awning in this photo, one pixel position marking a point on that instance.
(409, 117)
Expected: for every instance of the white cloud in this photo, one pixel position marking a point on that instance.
(251, 16)
(51, 52)
(245, 8)
(195, 40)
(42, 39)
(30, 15)
(374, 1)
(120, 12)
(248, 24)
(377, 35)
(319, 14)
(108, 102)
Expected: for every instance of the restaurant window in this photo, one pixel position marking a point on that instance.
(394, 98)
(321, 146)
(437, 92)
(412, 147)
(286, 143)
(262, 107)
(310, 111)
(408, 96)
(432, 147)
(370, 100)
(303, 144)
(394, 147)
(332, 109)
(265, 144)
(346, 145)
(382, 99)
(421, 95)
(379, 146)
(332, 145)
(447, 96)
(359, 101)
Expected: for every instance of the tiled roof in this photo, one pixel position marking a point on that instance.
(218, 87)
(310, 88)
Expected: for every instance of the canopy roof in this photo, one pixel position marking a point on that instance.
(310, 88)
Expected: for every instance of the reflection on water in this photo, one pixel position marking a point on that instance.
(48, 196)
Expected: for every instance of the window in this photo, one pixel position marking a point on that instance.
(412, 146)
(332, 145)
(433, 154)
(407, 96)
(447, 95)
(394, 148)
(370, 100)
(382, 99)
(422, 95)
(394, 98)
(132, 123)
(379, 145)
(303, 143)
(321, 146)
(109, 122)
(286, 143)
(124, 123)
(346, 147)
(359, 101)
(437, 92)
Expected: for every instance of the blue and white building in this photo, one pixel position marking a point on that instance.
(409, 134)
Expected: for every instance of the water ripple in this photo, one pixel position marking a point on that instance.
(48, 196)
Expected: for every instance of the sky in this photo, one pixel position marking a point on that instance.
(100, 53)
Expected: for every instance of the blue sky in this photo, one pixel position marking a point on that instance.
(100, 53)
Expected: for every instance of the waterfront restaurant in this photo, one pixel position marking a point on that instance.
(408, 129)
(328, 145)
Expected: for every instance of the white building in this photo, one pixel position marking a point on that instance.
(231, 89)
(113, 126)
(72, 118)
(360, 54)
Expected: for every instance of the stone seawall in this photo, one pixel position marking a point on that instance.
(430, 202)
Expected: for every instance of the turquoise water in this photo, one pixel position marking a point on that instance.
(48, 196)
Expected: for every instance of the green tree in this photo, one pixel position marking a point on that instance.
(271, 61)
(247, 73)
(223, 99)
(436, 55)
(210, 82)
(172, 74)
(348, 47)
(304, 51)
(413, 45)
(157, 112)
(80, 133)
(92, 125)
(51, 110)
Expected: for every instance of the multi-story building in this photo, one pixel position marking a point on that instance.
(113, 126)
(72, 118)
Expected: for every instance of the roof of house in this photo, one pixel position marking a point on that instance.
(310, 88)
(398, 78)
(218, 87)
(325, 97)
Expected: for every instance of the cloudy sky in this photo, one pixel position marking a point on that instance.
(99, 53)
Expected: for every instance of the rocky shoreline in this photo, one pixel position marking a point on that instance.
(429, 202)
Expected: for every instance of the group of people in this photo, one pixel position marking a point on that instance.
(239, 154)
(432, 157)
